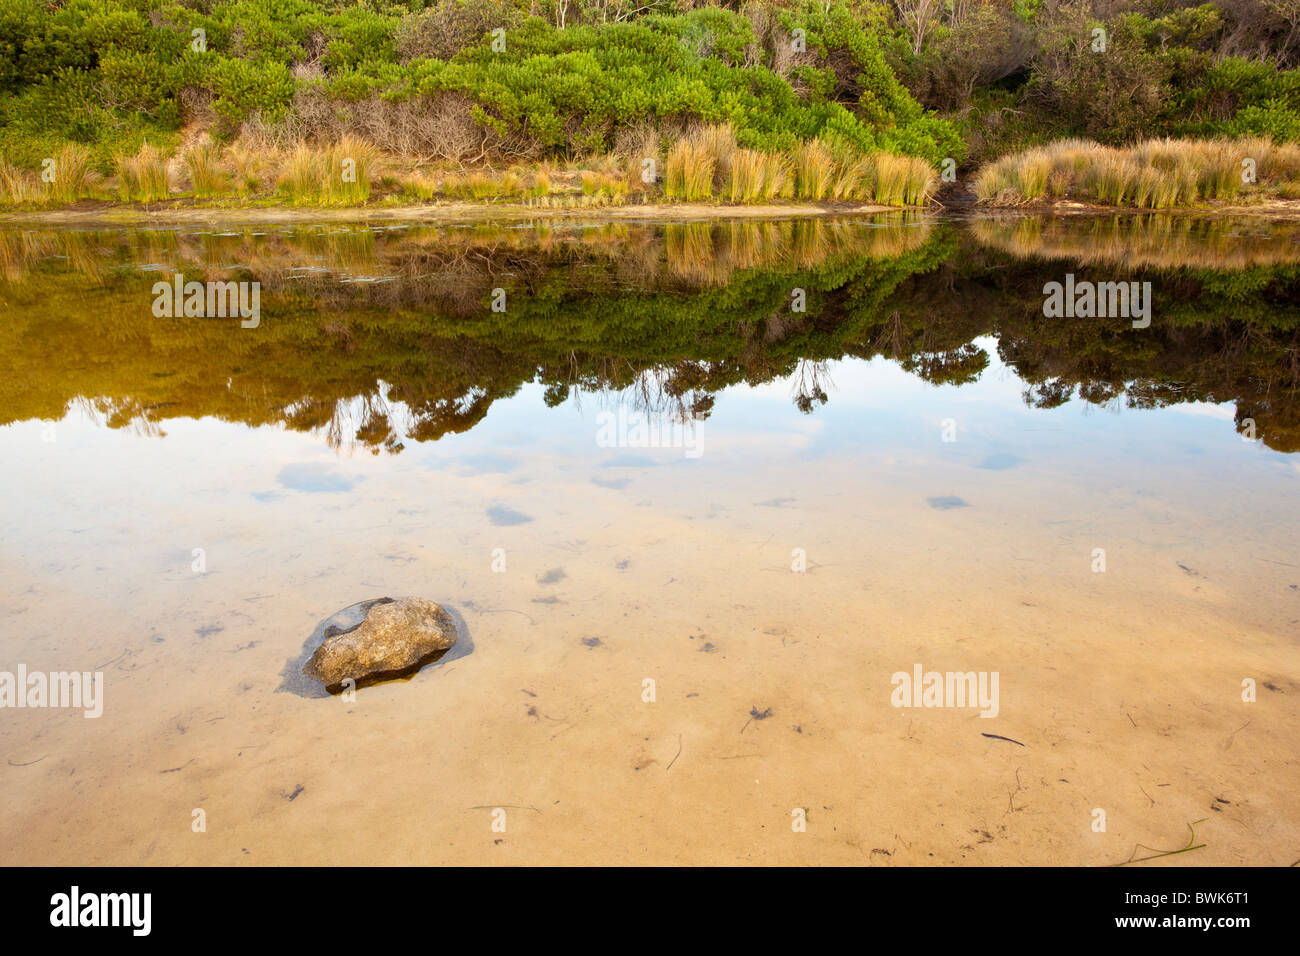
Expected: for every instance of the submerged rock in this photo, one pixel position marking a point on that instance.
(397, 636)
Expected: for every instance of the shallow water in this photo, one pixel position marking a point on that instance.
(651, 467)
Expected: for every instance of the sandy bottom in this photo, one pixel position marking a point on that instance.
(1124, 687)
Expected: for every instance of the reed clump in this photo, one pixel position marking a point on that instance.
(758, 177)
(337, 174)
(814, 169)
(689, 170)
(71, 174)
(249, 168)
(901, 181)
(1154, 174)
(706, 164)
(15, 186)
(202, 161)
(143, 177)
(475, 186)
(610, 187)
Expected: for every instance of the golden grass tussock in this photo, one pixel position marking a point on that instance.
(142, 177)
(755, 176)
(475, 186)
(203, 164)
(640, 151)
(336, 174)
(718, 142)
(609, 186)
(903, 180)
(689, 170)
(1154, 174)
(778, 177)
(541, 184)
(15, 186)
(250, 168)
(704, 165)
(824, 171)
(814, 169)
(69, 174)
(418, 185)
(516, 183)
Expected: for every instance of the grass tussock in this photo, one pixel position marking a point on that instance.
(420, 186)
(143, 177)
(758, 177)
(202, 161)
(250, 169)
(338, 174)
(689, 171)
(540, 185)
(70, 175)
(705, 165)
(902, 180)
(709, 165)
(609, 186)
(1155, 174)
(15, 187)
(640, 152)
(814, 169)
(474, 186)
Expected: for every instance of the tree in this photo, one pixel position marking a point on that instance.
(920, 17)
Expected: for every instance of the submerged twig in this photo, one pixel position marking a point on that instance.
(1000, 737)
(676, 755)
(27, 764)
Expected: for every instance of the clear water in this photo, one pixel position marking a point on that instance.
(920, 468)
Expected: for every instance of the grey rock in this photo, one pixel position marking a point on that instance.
(396, 636)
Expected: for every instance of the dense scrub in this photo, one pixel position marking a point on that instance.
(452, 83)
(440, 82)
(1023, 72)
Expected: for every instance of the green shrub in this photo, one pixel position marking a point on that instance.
(242, 88)
(116, 62)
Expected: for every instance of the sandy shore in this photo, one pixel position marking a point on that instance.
(116, 215)
(1275, 208)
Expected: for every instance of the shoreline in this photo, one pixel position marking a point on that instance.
(122, 214)
(1289, 208)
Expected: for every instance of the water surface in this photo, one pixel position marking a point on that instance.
(652, 465)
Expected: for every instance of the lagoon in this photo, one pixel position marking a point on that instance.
(917, 466)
